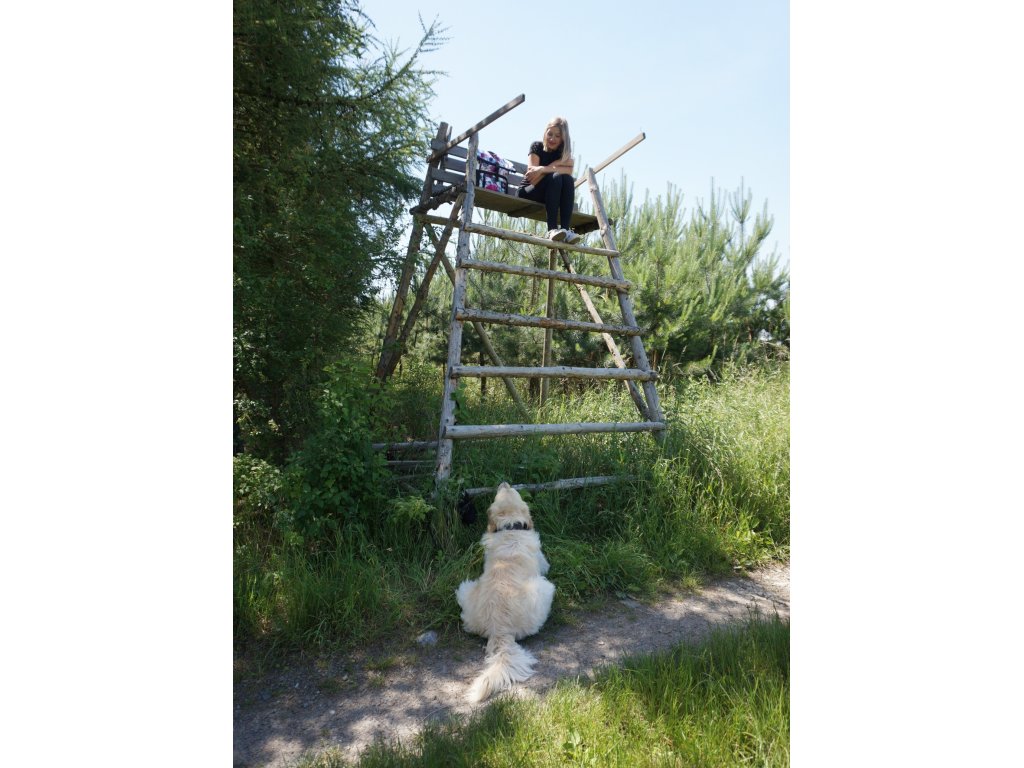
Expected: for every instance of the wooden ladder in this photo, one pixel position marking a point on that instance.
(646, 400)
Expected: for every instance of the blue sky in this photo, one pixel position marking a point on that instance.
(708, 82)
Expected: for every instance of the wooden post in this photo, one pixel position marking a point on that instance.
(476, 128)
(613, 348)
(389, 348)
(444, 442)
(549, 314)
(424, 288)
(637, 345)
(615, 156)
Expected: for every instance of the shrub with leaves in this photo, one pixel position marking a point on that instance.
(336, 480)
(257, 489)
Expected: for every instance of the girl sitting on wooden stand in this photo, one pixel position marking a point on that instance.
(549, 179)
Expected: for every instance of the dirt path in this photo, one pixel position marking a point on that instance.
(349, 702)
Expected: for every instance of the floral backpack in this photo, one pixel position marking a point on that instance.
(492, 171)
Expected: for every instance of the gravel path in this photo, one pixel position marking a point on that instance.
(347, 703)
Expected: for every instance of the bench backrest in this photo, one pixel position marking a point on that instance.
(450, 174)
(452, 170)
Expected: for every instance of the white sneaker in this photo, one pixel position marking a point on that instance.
(571, 237)
(556, 234)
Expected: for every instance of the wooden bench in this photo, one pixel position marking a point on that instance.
(448, 179)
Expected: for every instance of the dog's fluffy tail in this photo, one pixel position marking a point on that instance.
(507, 663)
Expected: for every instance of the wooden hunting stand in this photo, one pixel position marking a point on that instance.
(450, 178)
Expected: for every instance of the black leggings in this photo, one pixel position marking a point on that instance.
(557, 192)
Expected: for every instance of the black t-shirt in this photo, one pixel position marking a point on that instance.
(546, 158)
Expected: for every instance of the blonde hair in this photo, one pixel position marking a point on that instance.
(563, 125)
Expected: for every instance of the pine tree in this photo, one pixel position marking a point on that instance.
(328, 125)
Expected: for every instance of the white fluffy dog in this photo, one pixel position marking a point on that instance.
(511, 599)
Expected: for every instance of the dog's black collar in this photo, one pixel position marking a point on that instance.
(518, 525)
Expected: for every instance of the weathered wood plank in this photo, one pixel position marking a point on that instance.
(510, 205)
(472, 131)
(614, 156)
(557, 485)
(492, 353)
(554, 372)
(653, 411)
(523, 237)
(424, 288)
(485, 338)
(515, 178)
(613, 348)
(440, 196)
(389, 346)
(482, 431)
(444, 443)
(528, 209)
(447, 177)
(409, 479)
(548, 274)
(549, 312)
(532, 321)
(409, 445)
(459, 154)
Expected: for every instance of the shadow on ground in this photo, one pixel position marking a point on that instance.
(389, 694)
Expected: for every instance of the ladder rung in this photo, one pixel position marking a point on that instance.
(552, 274)
(553, 372)
(408, 445)
(501, 318)
(557, 485)
(522, 237)
(479, 431)
(406, 463)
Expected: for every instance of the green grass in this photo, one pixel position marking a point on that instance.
(723, 703)
(714, 496)
(343, 598)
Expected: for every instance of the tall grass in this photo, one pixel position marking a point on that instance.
(344, 596)
(713, 496)
(723, 703)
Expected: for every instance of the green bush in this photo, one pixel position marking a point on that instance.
(337, 554)
(336, 481)
(257, 489)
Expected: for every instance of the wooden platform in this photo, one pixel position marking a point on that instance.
(521, 208)
(449, 179)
